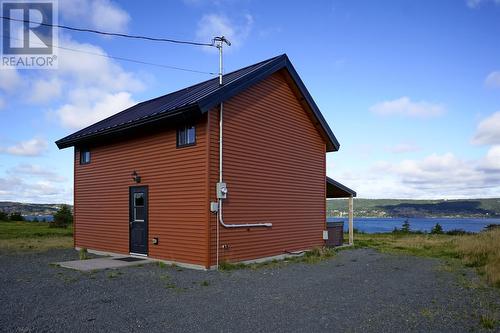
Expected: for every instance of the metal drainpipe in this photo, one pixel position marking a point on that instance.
(220, 219)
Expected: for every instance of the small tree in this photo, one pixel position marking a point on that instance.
(3, 216)
(62, 218)
(16, 216)
(406, 227)
(437, 229)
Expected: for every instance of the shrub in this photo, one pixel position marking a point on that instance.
(406, 227)
(487, 228)
(437, 229)
(487, 322)
(83, 254)
(16, 216)
(4, 216)
(62, 218)
(458, 232)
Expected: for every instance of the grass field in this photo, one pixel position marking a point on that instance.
(481, 251)
(33, 236)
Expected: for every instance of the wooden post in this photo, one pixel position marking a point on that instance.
(351, 227)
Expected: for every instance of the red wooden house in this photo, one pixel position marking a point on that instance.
(155, 180)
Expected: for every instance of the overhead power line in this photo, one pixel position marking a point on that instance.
(155, 39)
(121, 58)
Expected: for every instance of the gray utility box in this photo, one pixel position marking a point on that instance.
(335, 234)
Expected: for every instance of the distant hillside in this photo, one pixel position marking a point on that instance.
(362, 207)
(417, 208)
(29, 208)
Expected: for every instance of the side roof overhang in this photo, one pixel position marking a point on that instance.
(199, 99)
(334, 189)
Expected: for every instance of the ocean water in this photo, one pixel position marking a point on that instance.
(376, 225)
(48, 218)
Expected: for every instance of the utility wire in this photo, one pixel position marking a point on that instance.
(120, 58)
(155, 39)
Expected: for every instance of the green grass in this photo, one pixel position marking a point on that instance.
(481, 250)
(33, 236)
(310, 257)
(487, 322)
(113, 274)
(13, 230)
(435, 246)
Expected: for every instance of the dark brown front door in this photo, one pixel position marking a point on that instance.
(139, 220)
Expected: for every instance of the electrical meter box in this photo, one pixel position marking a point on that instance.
(221, 191)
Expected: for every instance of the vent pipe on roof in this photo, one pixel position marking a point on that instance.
(221, 186)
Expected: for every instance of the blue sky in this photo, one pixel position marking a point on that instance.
(411, 89)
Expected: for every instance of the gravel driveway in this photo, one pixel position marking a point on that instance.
(356, 291)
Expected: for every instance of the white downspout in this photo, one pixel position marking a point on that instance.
(219, 41)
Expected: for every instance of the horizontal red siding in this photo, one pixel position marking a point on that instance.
(177, 181)
(274, 167)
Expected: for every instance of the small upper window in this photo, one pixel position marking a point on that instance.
(186, 136)
(84, 156)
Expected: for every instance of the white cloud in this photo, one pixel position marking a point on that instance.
(10, 80)
(35, 170)
(13, 188)
(95, 87)
(488, 130)
(403, 148)
(477, 3)
(86, 87)
(492, 159)
(98, 14)
(493, 80)
(44, 91)
(33, 147)
(81, 112)
(405, 107)
(34, 183)
(95, 71)
(435, 176)
(212, 25)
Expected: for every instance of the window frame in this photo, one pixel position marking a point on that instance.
(185, 129)
(82, 152)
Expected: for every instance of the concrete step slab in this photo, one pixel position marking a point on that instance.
(101, 263)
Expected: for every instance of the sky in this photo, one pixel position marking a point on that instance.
(411, 89)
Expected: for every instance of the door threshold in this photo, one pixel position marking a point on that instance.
(138, 254)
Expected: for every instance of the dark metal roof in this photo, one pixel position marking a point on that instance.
(334, 189)
(198, 98)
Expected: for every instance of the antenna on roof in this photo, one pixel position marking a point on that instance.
(219, 42)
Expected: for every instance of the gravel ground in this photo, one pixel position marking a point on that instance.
(356, 291)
